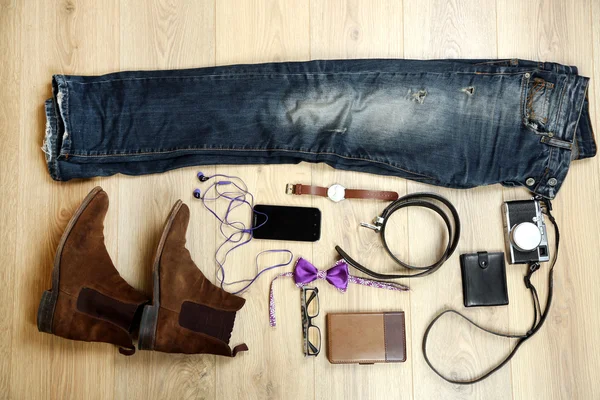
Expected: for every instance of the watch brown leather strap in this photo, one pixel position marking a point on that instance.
(371, 194)
(299, 189)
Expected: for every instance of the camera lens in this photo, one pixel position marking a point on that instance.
(526, 236)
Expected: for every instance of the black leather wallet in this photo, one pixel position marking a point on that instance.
(484, 279)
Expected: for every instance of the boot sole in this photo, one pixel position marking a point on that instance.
(45, 315)
(149, 322)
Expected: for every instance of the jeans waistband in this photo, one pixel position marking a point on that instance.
(570, 136)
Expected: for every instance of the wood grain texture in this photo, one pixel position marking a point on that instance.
(10, 120)
(39, 38)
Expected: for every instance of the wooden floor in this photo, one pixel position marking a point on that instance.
(40, 38)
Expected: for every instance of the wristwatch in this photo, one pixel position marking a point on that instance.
(338, 192)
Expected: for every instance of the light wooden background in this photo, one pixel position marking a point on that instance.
(39, 38)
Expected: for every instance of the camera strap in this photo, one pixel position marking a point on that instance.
(539, 316)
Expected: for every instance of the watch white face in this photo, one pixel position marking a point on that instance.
(336, 192)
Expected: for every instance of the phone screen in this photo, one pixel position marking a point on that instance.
(286, 223)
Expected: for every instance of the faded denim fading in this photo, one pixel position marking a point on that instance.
(453, 123)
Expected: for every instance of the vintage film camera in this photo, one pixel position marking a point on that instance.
(525, 230)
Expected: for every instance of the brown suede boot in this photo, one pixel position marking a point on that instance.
(89, 300)
(189, 314)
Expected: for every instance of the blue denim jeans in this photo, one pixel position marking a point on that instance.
(454, 123)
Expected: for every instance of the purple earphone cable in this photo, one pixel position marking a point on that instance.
(236, 198)
(260, 272)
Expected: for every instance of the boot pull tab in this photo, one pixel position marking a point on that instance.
(127, 351)
(239, 348)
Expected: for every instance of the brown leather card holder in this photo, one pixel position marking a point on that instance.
(366, 338)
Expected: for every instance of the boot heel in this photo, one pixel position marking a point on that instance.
(45, 313)
(148, 328)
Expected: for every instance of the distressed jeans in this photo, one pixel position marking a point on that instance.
(453, 123)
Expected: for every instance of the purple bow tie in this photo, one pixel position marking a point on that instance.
(305, 273)
(338, 276)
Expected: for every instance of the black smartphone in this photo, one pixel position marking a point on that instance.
(301, 224)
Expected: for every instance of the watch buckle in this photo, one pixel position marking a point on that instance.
(290, 188)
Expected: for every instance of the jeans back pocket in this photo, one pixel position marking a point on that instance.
(536, 99)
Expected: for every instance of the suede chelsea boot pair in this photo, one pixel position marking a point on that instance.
(90, 301)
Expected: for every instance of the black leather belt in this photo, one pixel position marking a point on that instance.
(427, 200)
